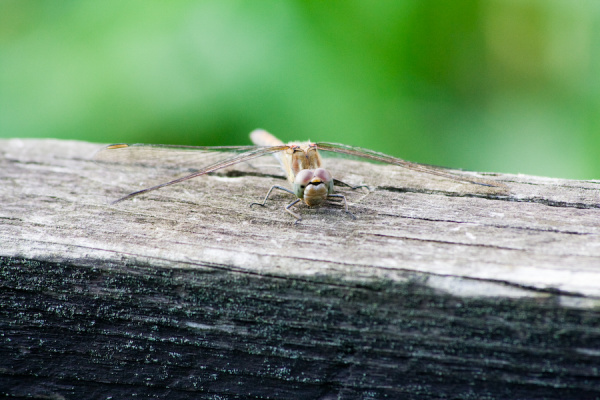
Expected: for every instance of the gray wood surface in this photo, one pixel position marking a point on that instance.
(436, 289)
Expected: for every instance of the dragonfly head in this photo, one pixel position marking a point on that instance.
(313, 186)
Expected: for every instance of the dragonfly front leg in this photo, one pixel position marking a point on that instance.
(341, 196)
(269, 193)
(287, 208)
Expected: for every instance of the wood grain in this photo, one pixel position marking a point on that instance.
(437, 289)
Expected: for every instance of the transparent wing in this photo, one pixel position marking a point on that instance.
(165, 156)
(148, 155)
(384, 158)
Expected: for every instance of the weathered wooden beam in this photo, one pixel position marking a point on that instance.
(436, 290)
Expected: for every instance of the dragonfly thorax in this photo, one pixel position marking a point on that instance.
(313, 186)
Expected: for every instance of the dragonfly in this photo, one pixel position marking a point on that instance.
(301, 162)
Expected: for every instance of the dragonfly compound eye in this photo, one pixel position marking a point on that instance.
(302, 179)
(323, 175)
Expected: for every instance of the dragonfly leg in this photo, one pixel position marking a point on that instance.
(341, 196)
(287, 208)
(269, 193)
(342, 183)
(359, 186)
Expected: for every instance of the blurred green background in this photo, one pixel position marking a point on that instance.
(497, 85)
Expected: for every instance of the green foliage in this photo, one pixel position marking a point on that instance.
(508, 86)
